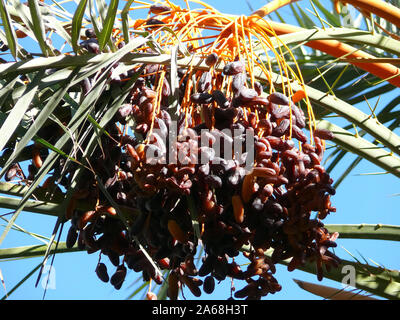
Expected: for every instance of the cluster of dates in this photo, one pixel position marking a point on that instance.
(188, 183)
(230, 168)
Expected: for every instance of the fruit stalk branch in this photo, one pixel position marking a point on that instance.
(336, 48)
(271, 7)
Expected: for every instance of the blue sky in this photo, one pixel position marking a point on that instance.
(360, 199)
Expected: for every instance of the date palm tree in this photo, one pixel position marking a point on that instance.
(70, 71)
